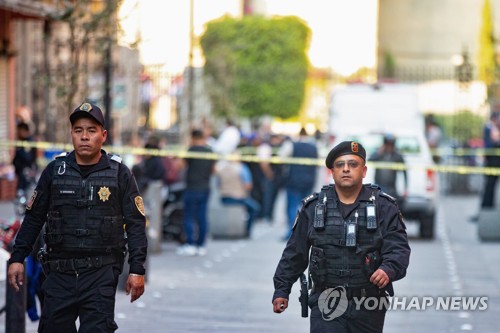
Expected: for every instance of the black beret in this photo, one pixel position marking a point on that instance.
(345, 148)
(87, 110)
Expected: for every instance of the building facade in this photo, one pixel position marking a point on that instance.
(427, 36)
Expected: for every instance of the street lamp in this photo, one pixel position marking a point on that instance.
(190, 68)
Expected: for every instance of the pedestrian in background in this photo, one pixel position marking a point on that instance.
(491, 136)
(433, 134)
(25, 164)
(279, 176)
(384, 177)
(264, 153)
(301, 178)
(235, 184)
(150, 168)
(357, 243)
(24, 159)
(86, 199)
(196, 195)
(228, 140)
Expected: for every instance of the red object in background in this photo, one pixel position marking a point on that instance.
(8, 232)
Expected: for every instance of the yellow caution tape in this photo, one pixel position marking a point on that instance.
(182, 153)
(465, 152)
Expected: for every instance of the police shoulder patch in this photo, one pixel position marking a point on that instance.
(29, 205)
(139, 204)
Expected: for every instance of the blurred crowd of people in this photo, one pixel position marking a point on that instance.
(253, 185)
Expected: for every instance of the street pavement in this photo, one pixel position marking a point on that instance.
(230, 289)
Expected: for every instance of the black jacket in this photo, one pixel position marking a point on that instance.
(134, 220)
(395, 251)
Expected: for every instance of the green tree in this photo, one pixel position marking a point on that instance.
(486, 54)
(75, 42)
(256, 66)
(462, 126)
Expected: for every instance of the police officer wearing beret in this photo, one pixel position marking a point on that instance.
(92, 211)
(354, 240)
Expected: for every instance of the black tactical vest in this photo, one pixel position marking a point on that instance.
(335, 262)
(85, 214)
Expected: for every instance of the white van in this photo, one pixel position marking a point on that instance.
(365, 113)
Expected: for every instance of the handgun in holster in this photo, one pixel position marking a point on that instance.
(304, 295)
(43, 258)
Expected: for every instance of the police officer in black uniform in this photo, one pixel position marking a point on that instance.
(354, 240)
(93, 212)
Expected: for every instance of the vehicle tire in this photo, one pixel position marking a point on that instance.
(427, 226)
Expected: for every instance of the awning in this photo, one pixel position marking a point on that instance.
(29, 8)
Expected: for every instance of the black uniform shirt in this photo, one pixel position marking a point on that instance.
(395, 251)
(135, 221)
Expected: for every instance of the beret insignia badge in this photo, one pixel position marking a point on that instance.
(86, 107)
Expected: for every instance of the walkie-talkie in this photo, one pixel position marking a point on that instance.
(371, 217)
(350, 232)
(319, 215)
(350, 235)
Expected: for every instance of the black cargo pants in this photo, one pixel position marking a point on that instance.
(88, 295)
(352, 318)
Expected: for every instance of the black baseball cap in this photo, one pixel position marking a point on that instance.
(345, 148)
(88, 110)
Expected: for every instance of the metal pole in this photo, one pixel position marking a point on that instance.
(108, 77)
(190, 68)
(15, 307)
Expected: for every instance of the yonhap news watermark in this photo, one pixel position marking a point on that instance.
(333, 302)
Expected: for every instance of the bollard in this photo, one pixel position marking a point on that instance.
(154, 205)
(15, 307)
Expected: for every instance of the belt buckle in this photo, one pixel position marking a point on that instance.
(98, 262)
(81, 232)
(88, 262)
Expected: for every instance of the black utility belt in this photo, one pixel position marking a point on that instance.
(74, 265)
(360, 292)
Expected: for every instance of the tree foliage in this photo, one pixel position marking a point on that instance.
(462, 126)
(75, 43)
(256, 66)
(486, 55)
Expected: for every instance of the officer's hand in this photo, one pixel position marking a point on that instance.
(379, 278)
(280, 304)
(135, 286)
(16, 275)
